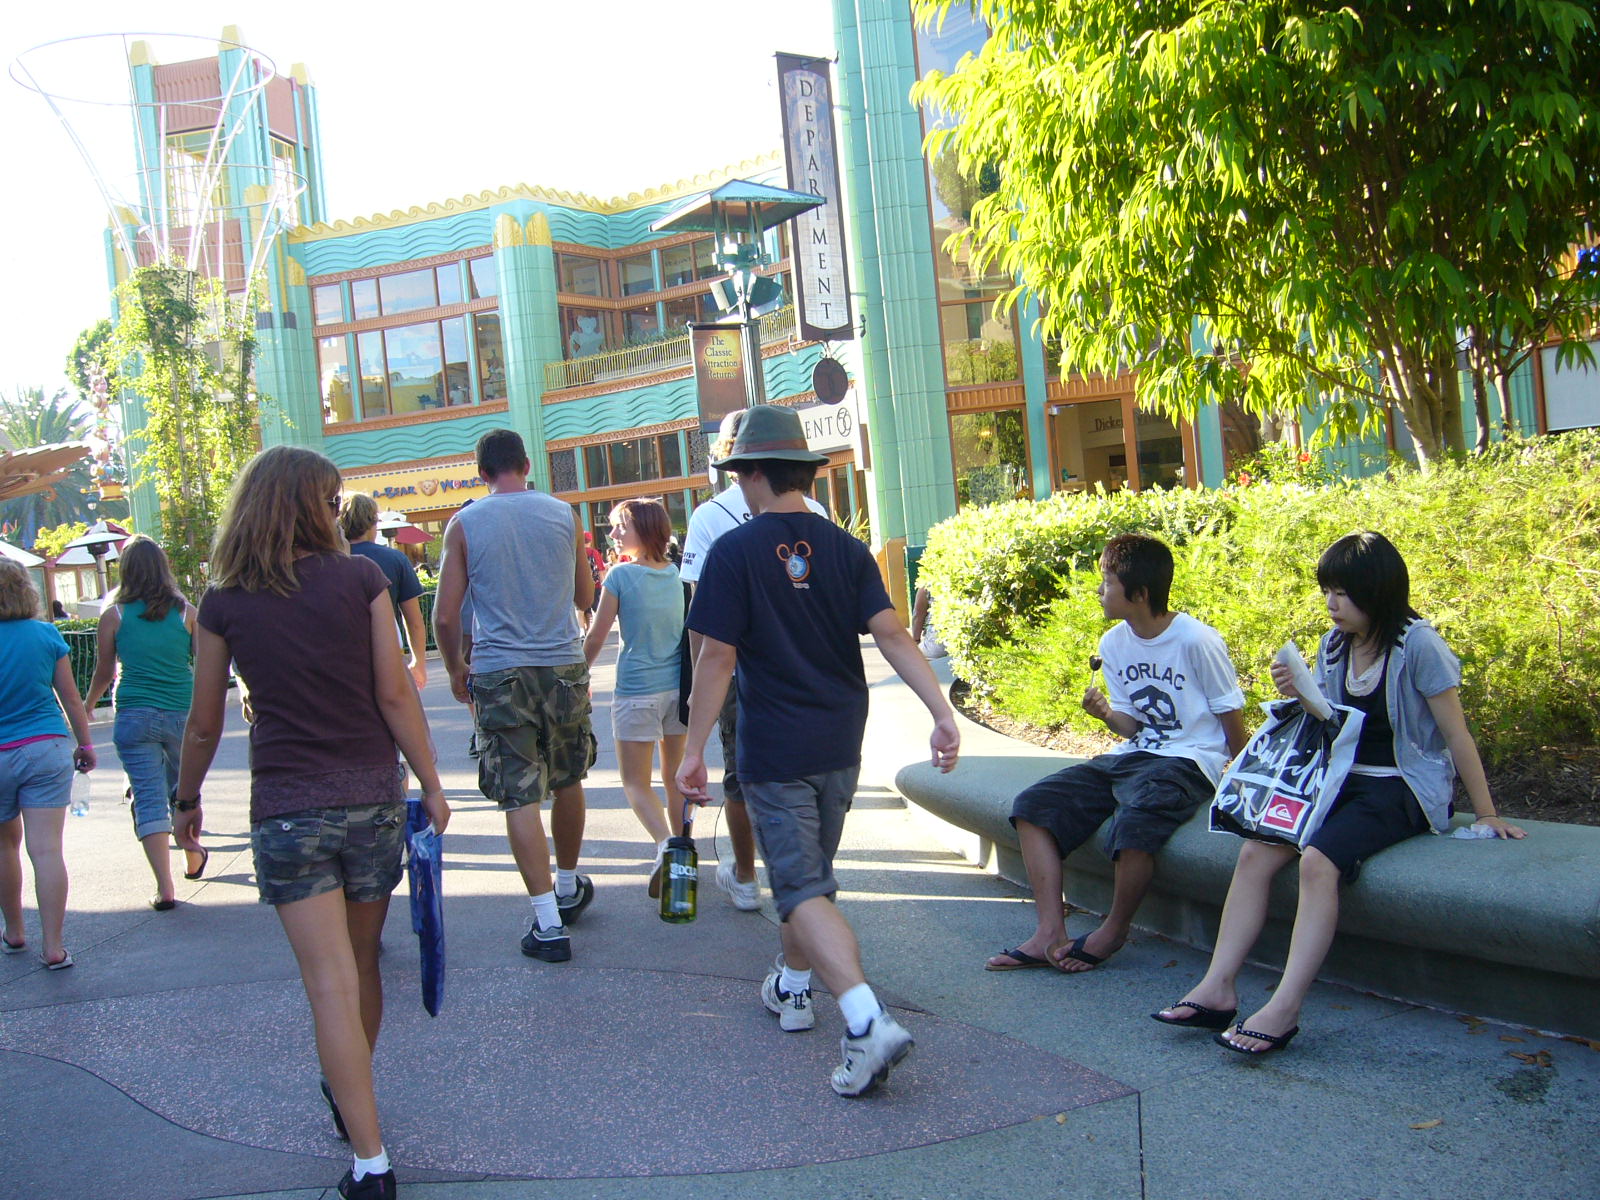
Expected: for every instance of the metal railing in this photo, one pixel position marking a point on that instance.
(665, 355)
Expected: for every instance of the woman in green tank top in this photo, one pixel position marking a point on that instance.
(150, 632)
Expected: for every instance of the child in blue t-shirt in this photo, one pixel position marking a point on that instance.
(789, 594)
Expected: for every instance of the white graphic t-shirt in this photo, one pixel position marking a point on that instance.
(1174, 685)
(711, 520)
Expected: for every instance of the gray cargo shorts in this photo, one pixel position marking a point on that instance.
(798, 823)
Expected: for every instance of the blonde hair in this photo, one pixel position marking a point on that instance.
(145, 574)
(283, 502)
(19, 599)
(359, 515)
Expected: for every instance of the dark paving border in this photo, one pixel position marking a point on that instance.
(551, 1072)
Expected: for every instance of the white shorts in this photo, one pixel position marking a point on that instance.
(646, 718)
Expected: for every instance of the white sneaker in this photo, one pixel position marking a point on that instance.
(867, 1058)
(746, 897)
(655, 872)
(793, 1010)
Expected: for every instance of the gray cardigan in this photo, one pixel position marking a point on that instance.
(1419, 667)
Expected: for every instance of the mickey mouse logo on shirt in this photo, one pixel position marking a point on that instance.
(795, 563)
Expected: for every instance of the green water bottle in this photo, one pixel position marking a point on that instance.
(680, 876)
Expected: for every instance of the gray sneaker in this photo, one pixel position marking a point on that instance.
(793, 1009)
(867, 1058)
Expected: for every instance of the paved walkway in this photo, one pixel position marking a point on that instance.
(175, 1060)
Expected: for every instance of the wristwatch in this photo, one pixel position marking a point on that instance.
(186, 805)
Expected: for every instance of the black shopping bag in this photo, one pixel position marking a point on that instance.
(1281, 786)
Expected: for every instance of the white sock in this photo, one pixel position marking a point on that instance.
(792, 981)
(376, 1165)
(545, 911)
(566, 883)
(859, 1008)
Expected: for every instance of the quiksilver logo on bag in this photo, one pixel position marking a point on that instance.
(1283, 813)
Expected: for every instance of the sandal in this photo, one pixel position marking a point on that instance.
(205, 857)
(1021, 960)
(1201, 1018)
(1272, 1043)
(7, 947)
(1077, 953)
(60, 964)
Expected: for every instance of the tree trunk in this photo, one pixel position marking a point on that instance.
(1480, 409)
(1508, 414)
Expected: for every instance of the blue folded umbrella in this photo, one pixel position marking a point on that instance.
(425, 860)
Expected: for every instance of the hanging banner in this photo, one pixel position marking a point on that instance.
(821, 278)
(718, 371)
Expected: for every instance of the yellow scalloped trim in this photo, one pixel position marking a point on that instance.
(525, 191)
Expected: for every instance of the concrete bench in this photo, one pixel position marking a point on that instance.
(1502, 929)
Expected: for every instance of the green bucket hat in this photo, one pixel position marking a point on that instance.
(770, 431)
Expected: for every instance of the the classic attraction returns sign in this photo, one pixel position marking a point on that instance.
(822, 282)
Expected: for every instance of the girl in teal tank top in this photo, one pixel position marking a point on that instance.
(150, 633)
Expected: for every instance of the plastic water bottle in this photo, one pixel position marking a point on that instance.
(82, 789)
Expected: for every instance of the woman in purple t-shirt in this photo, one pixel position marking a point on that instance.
(311, 631)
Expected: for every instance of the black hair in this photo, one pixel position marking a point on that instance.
(1141, 564)
(1366, 567)
(782, 475)
(501, 450)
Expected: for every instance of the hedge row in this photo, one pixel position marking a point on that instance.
(1504, 554)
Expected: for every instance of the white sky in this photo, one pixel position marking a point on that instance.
(417, 104)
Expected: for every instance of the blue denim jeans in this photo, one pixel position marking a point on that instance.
(38, 775)
(148, 742)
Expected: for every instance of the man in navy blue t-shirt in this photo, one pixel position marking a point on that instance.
(788, 595)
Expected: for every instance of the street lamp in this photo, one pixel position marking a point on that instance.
(736, 215)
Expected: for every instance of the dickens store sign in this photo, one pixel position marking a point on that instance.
(422, 489)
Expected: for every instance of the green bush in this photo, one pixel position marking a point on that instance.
(1503, 550)
(78, 625)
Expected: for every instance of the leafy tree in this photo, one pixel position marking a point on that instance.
(27, 419)
(54, 539)
(188, 351)
(1329, 192)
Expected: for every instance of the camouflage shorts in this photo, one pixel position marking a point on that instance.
(304, 854)
(533, 732)
(728, 734)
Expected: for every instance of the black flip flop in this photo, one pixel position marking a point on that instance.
(1273, 1043)
(1078, 953)
(1202, 1018)
(205, 857)
(160, 905)
(1024, 961)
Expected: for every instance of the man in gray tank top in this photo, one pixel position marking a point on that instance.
(521, 553)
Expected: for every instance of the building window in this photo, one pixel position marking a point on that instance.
(194, 192)
(583, 331)
(1241, 436)
(633, 461)
(581, 276)
(991, 457)
(689, 262)
(491, 358)
(333, 368)
(449, 277)
(481, 276)
(286, 179)
(1088, 446)
(327, 302)
(1160, 448)
(563, 471)
(364, 299)
(671, 456)
(457, 371)
(374, 375)
(640, 325)
(979, 347)
(636, 274)
(407, 292)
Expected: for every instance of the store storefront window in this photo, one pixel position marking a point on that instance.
(457, 371)
(688, 262)
(374, 375)
(482, 279)
(449, 277)
(636, 274)
(1160, 451)
(633, 461)
(416, 368)
(333, 363)
(491, 358)
(640, 325)
(991, 457)
(327, 302)
(581, 276)
(596, 473)
(1241, 436)
(1088, 447)
(979, 347)
(583, 331)
(363, 299)
(671, 456)
(407, 292)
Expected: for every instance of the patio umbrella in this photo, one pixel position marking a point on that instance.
(426, 868)
(17, 554)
